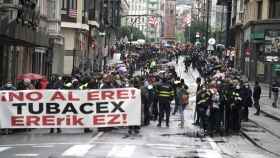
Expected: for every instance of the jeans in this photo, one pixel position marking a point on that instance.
(182, 118)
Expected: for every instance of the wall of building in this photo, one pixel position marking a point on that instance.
(69, 38)
(169, 20)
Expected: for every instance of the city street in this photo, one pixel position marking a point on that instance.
(99, 78)
(152, 142)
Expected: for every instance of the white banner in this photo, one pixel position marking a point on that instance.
(70, 108)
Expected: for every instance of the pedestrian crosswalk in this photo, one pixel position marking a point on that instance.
(4, 148)
(132, 151)
(77, 150)
(119, 151)
(122, 151)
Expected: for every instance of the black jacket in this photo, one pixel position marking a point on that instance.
(257, 92)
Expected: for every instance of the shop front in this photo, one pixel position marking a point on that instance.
(261, 50)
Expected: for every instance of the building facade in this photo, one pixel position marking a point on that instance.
(56, 40)
(154, 30)
(137, 7)
(183, 20)
(255, 24)
(24, 40)
(168, 10)
(89, 28)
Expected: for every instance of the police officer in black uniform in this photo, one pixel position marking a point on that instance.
(165, 95)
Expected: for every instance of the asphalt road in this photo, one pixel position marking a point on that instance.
(152, 142)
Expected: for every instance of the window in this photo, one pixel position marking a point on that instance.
(259, 14)
(275, 9)
(64, 4)
(51, 9)
(241, 7)
(73, 4)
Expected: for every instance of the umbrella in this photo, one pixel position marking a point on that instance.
(122, 69)
(30, 76)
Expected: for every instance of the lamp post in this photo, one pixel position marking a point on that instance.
(207, 25)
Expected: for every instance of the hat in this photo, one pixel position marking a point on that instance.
(68, 84)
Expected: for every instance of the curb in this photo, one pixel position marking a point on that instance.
(270, 115)
(249, 138)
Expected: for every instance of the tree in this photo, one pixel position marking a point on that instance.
(195, 27)
(128, 31)
(180, 37)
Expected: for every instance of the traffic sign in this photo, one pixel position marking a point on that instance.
(211, 41)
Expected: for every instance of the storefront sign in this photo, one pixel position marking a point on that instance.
(257, 35)
(276, 67)
(272, 41)
(70, 108)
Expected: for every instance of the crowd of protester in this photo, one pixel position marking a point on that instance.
(222, 98)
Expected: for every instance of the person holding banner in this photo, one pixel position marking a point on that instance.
(10, 87)
(58, 84)
(135, 82)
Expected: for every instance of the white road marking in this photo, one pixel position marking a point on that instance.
(27, 155)
(43, 146)
(170, 145)
(77, 150)
(95, 138)
(4, 148)
(213, 144)
(204, 153)
(122, 151)
(51, 143)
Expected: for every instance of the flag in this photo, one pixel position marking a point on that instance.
(152, 21)
(187, 20)
(72, 13)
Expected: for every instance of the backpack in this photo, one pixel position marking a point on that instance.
(185, 99)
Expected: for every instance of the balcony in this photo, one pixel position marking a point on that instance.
(6, 5)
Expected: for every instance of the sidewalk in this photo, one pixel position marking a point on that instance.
(266, 102)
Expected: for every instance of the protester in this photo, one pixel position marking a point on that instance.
(275, 92)
(246, 95)
(183, 97)
(257, 95)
